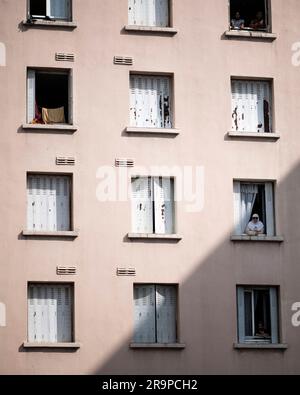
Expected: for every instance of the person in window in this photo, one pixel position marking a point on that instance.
(262, 332)
(258, 23)
(237, 23)
(255, 227)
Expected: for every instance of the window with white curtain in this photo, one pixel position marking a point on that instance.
(150, 101)
(152, 205)
(50, 9)
(50, 313)
(251, 106)
(257, 314)
(149, 13)
(253, 198)
(155, 313)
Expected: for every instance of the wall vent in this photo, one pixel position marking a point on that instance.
(125, 272)
(64, 57)
(124, 162)
(125, 60)
(66, 270)
(64, 160)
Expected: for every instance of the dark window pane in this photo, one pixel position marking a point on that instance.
(248, 10)
(262, 313)
(248, 314)
(38, 7)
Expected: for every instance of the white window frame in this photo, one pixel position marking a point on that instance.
(247, 95)
(48, 12)
(52, 330)
(154, 222)
(160, 328)
(32, 199)
(274, 315)
(144, 14)
(31, 83)
(143, 102)
(269, 206)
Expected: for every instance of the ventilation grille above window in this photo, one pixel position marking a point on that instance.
(127, 61)
(124, 163)
(65, 271)
(64, 160)
(125, 272)
(64, 57)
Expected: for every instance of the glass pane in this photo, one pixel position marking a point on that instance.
(248, 314)
(262, 313)
(38, 7)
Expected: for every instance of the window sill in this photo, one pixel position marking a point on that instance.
(178, 346)
(274, 239)
(151, 29)
(47, 23)
(52, 345)
(257, 346)
(152, 236)
(32, 233)
(251, 34)
(45, 128)
(134, 130)
(254, 135)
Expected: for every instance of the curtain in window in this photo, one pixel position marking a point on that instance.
(248, 196)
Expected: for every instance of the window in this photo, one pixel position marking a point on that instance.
(49, 97)
(251, 106)
(254, 198)
(150, 101)
(257, 314)
(155, 313)
(50, 9)
(153, 205)
(48, 202)
(248, 11)
(149, 13)
(50, 313)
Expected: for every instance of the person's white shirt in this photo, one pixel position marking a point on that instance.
(255, 226)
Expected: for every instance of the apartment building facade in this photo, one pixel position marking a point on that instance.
(193, 106)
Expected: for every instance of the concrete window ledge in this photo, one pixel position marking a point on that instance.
(32, 233)
(250, 34)
(52, 345)
(152, 236)
(134, 130)
(46, 23)
(176, 346)
(257, 346)
(254, 135)
(151, 29)
(270, 239)
(45, 128)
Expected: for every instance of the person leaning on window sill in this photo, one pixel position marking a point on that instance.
(255, 227)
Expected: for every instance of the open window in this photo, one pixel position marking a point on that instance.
(155, 314)
(254, 198)
(49, 96)
(150, 101)
(257, 314)
(50, 9)
(252, 106)
(250, 15)
(152, 205)
(149, 13)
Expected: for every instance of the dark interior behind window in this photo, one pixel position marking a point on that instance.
(248, 10)
(38, 7)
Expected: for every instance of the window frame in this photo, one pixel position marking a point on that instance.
(268, 12)
(71, 201)
(71, 286)
(274, 295)
(270, 222)
(31, 16)
(177, 315)
(152, 201)
(30, 96)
